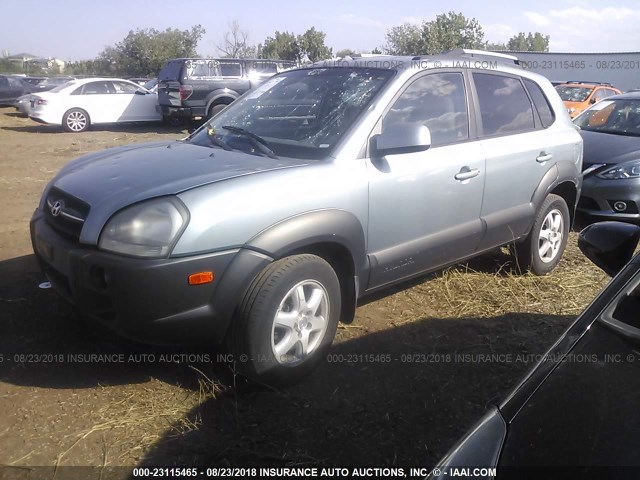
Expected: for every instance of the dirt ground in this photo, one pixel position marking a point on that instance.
(413, 372)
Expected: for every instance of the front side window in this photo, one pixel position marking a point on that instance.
(437, 101)
(93, 88)
(123, 87)
(301, 113)
(504, 105)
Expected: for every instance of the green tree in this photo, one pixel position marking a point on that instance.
(288, 46)
(143, 52)
(448, 31)
(495, 47)
(405, 39)
(283, 46)
(345, 52)
(535, 42)
(312, 45)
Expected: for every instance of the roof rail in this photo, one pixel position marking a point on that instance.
(589, 83)
(483, 54)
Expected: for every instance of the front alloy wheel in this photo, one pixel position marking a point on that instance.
(75, 120)
(300, 323)
(287, 320)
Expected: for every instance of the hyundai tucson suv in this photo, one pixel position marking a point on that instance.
(325, 184)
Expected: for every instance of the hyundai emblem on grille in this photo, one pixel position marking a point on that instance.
(56, 208)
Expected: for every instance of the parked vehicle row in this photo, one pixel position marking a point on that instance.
(580, 95)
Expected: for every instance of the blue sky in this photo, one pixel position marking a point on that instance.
(80, 29)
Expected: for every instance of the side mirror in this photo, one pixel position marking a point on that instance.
(609, 245)
(396, 139)
(140, 92)
(593, 100)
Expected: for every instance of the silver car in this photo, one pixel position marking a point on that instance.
(265, 226)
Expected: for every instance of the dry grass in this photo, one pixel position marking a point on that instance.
(490, 286)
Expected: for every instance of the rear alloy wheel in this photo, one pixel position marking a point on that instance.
(541, 251)
(76, 120)
(287, 320)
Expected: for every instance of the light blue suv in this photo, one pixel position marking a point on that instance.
(265, 226)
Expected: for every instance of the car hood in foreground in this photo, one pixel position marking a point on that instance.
(115, 178)
(609, 148)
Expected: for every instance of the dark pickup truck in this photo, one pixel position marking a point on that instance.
(196, 88)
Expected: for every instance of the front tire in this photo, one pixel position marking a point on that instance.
(541, 251)
(76, 120)
(287, 320)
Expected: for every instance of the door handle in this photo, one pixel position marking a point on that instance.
(544, 157)
(466, 173)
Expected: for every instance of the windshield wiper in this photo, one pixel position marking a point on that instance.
(258, 141)
(211, 135)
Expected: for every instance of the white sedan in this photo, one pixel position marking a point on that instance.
(78, 104)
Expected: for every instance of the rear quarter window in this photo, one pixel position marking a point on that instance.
(545, 112)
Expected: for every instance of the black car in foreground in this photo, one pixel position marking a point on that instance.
(574, 415)
(610, 130)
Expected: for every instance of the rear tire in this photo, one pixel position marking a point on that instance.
(541, 251)
(215, 109)
(287, 320)
(76, 120)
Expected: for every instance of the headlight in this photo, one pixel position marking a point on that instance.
(148, 229)
(626, 170)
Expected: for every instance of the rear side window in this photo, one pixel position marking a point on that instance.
(505, 107)
(545, 112)
(171, 71)
(230, 69)
(4, 82)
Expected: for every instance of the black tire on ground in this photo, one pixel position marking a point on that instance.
(76, 120)
(541, 251)
(293, 304)
(215, 109)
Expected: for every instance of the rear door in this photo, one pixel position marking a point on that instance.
(519, 149)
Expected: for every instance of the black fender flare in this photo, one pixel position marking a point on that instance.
(329, 226)
(219, 93)
(561, 172)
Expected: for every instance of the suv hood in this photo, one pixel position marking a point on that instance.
(115, 178)
(609, 148)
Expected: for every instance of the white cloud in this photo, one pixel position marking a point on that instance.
(360, 21)
(537, 19)
(498, 32)
(577, 14)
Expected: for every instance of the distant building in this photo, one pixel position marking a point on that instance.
(620, 69)
(26, 59)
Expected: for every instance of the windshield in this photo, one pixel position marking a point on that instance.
(612, 116)
(574, 94)
(300, 113)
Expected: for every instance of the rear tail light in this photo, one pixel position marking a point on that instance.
(185, 92)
